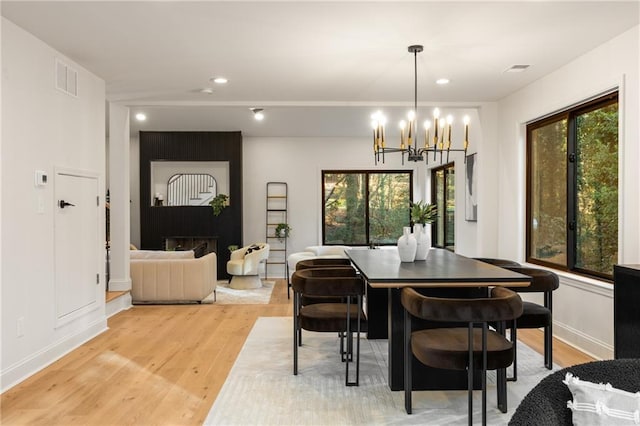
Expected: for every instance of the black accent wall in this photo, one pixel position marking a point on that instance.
(156, 223)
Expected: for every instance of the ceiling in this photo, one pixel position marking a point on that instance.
(317, 68)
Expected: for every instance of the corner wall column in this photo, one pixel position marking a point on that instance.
(120, 279)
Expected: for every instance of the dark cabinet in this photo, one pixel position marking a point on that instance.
(626, 311)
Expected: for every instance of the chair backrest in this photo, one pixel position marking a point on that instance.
(322, 263)
(541, 279)
(260, 250)
(339, 281)
(502, 305)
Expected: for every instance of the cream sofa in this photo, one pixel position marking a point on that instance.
(171, 276)
(313, 252)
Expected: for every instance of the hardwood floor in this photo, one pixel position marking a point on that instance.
(160, 365)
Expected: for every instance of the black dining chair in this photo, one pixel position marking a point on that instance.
(346, 318)
(459, 348)
(535, 315)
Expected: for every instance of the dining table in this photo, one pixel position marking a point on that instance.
(443, 274)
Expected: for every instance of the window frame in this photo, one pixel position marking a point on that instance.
(434, 200)
(570, 114)
(366, 172)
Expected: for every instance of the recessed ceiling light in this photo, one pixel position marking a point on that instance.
(517, 68)
(207, 90)
(442, 81)
(219, 80)
(141, 116)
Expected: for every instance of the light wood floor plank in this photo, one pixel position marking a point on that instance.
(161, 365)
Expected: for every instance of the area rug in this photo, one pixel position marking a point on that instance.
(230, 296)
(261, 388)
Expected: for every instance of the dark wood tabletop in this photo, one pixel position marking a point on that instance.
(382, 269)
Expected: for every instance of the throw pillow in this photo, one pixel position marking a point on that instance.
(600, 404)
(252, 248)
(200, 250)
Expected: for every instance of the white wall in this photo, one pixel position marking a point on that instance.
(43, 128)
(583, 309)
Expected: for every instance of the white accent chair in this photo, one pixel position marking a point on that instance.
(244, 265)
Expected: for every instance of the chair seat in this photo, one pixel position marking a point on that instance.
(234, 267)
(310, 300)
(447, 348)
(533, 316)
(330, 317)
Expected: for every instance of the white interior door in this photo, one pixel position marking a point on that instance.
(76, 243)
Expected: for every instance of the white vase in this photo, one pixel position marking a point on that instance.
(423, 239)
(407, 245)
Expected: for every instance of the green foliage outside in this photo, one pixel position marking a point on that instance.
(597, 180)
(549, 192)
(596, 221)
(445, 201)
(346, 204)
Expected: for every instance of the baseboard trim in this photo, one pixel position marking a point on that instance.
(583, 342)
(119, 304)
(49, 354)
(120, 285)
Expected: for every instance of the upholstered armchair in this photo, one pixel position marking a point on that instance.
(244, 265)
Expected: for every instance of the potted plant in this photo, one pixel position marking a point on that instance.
(423, 212)
(282, 231)
(218, 203)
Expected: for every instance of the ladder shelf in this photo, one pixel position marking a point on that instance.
(276, 213)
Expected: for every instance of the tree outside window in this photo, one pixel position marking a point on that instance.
(572, 187)
(444, 197)
(365, 207)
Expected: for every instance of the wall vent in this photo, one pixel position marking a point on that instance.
(66, 78)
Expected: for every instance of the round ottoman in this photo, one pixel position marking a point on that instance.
(546, 404)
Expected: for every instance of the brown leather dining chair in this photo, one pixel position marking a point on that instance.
(323, 263)
(535, 315)
(317, 262)
(469, 347)
(346, 318)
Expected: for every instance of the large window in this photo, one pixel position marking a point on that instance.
(443, 195)
(572, 189)
(365, 207)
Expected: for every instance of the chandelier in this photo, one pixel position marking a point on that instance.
(439, 144)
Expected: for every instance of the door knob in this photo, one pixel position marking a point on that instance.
(62, 204)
